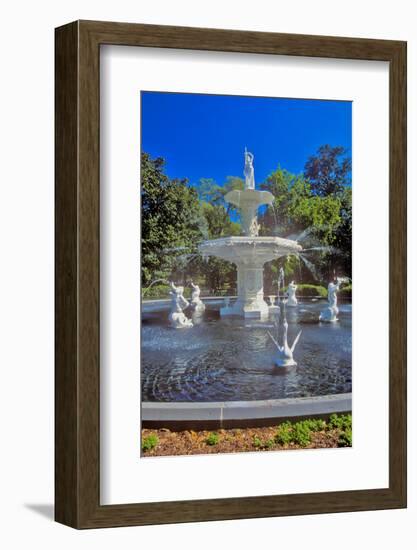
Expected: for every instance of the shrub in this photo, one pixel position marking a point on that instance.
(317, 425)
(284, 434)
(155, 291)
(311, 291)
(161, 292)
(149, 442)
(342, 422)
(301, 434)
(256, 441)
(345, 438)
(212, 438)
(345, 291)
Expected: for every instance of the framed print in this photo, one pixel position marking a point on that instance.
(230, 274)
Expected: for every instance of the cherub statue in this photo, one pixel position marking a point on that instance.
(178, 302)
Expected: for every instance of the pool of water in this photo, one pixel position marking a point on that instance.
(232, 359)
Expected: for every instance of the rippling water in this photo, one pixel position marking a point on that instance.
(233, 359)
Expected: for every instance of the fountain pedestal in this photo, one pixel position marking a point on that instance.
(250, 302)
(249, 254)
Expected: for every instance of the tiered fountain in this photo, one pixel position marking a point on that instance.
(249, 252)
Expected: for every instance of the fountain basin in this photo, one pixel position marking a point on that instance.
(249, 254)
(248, 201)
(249, 249)
(232, 359)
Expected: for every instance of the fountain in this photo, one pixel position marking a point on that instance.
(196, 302)
(292, 299)
(231, 360)
(249, 252)
(177, 317)
(329, 315)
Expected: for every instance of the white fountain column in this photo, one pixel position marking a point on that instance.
(250, 288)
(251, 293)
(249, 220)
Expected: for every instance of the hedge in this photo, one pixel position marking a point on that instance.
(345, 292)
(161, 292)
(308, 291)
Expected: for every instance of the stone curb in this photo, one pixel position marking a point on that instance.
(201, 415)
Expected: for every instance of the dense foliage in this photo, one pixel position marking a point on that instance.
(314, 207)
(172, 221)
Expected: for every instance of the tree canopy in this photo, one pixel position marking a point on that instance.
(172, 221)
(329, 170)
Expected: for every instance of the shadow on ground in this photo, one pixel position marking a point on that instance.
(45, 510)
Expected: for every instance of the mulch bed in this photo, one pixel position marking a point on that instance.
(189, 442)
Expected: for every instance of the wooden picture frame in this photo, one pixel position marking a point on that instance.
(77, 405)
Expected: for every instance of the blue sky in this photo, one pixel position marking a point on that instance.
(204, 136)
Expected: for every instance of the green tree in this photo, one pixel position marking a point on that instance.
(218, 221)
(210, 192)
(218, 274)
(277, 220)
(328, 171)
(342, 259)
(296, 210)
(172, 221)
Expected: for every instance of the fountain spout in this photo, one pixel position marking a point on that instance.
(285, 356)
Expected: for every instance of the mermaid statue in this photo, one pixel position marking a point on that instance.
(329, 314)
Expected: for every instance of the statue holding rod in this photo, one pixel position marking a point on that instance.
(249, 171)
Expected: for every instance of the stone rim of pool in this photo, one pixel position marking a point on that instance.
(240, 414)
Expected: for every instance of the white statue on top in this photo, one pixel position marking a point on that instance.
(178, 302)
(196, 301)
(329, 315)
(292, 299)
(249, 171)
